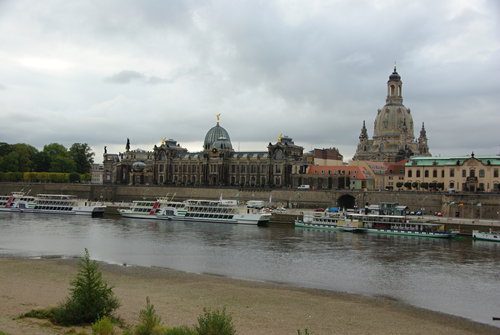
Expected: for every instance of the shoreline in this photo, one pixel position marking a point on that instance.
(179, 298)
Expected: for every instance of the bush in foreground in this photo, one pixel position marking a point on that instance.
(150, 322)
(103, 326)
(215, 322)
(91, 298)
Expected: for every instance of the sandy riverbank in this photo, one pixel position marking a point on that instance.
(257, 308)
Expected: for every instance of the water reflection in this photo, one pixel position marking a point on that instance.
(454, 276)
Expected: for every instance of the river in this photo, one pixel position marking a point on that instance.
(459, 277)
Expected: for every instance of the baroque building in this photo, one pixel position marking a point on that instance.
(460, 173)
(282, 165)
(393, 138)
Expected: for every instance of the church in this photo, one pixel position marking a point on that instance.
(393, 138)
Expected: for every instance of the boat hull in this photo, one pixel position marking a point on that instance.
(312, 225)
(144, 216)
(483, 236)
(411, 233)
(92, 211)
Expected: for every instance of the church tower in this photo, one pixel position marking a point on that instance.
(393, 138)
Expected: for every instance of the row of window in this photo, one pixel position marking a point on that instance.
(464, 187)
(451, 174)
(337, 172)
(54, 208)
(213, 168)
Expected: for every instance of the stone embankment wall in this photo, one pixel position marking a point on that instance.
(474, 205)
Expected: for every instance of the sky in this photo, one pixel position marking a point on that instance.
(99, 72)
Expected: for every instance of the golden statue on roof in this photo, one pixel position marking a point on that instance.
(279, 138)
(163, 140)
(218, 117)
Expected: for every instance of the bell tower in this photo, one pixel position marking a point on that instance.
(394, 89)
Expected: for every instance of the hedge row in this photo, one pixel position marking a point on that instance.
(45, 177)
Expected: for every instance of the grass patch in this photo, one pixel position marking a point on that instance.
(44, 313)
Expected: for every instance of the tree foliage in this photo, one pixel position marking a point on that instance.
(83, 157)
(91, 298)
(54, 157)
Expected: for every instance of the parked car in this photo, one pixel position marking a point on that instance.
(304, 187)
(438, 214)
(279, 210)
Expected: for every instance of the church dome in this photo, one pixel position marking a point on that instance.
(394, 76)
(393, 120)
(214, 134)
(222, 143)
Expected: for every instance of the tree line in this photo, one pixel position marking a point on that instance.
(55, 163)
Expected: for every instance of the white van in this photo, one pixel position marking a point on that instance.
(304, 187)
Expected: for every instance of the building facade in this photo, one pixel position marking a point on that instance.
(339, 177)
(393, 138)
(282, 165)
(329, 156)
(456, 174)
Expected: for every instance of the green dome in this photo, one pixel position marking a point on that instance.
(214, 135)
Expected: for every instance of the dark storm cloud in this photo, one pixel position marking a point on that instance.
(127, 76)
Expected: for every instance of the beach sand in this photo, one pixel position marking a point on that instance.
(179, 298)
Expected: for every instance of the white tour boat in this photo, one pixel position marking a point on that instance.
(328, 220)
(331, 220)
(220, 211)
(50, 204)
(486, 236)
(144, 209)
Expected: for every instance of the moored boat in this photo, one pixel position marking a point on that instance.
(399, 225)
(390, 218)
(144, 209)
(216, 211)
(50, 204)
(486, 236)
(320, 220)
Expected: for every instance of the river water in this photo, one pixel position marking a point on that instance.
(460, 277)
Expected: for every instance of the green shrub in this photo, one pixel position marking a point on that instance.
(183, 330)
(215, 322)
(74, 177)
(149, 321)
(91, 297)
(46, 313)
(103, 326)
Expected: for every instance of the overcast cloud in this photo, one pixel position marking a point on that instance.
(103, 71)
